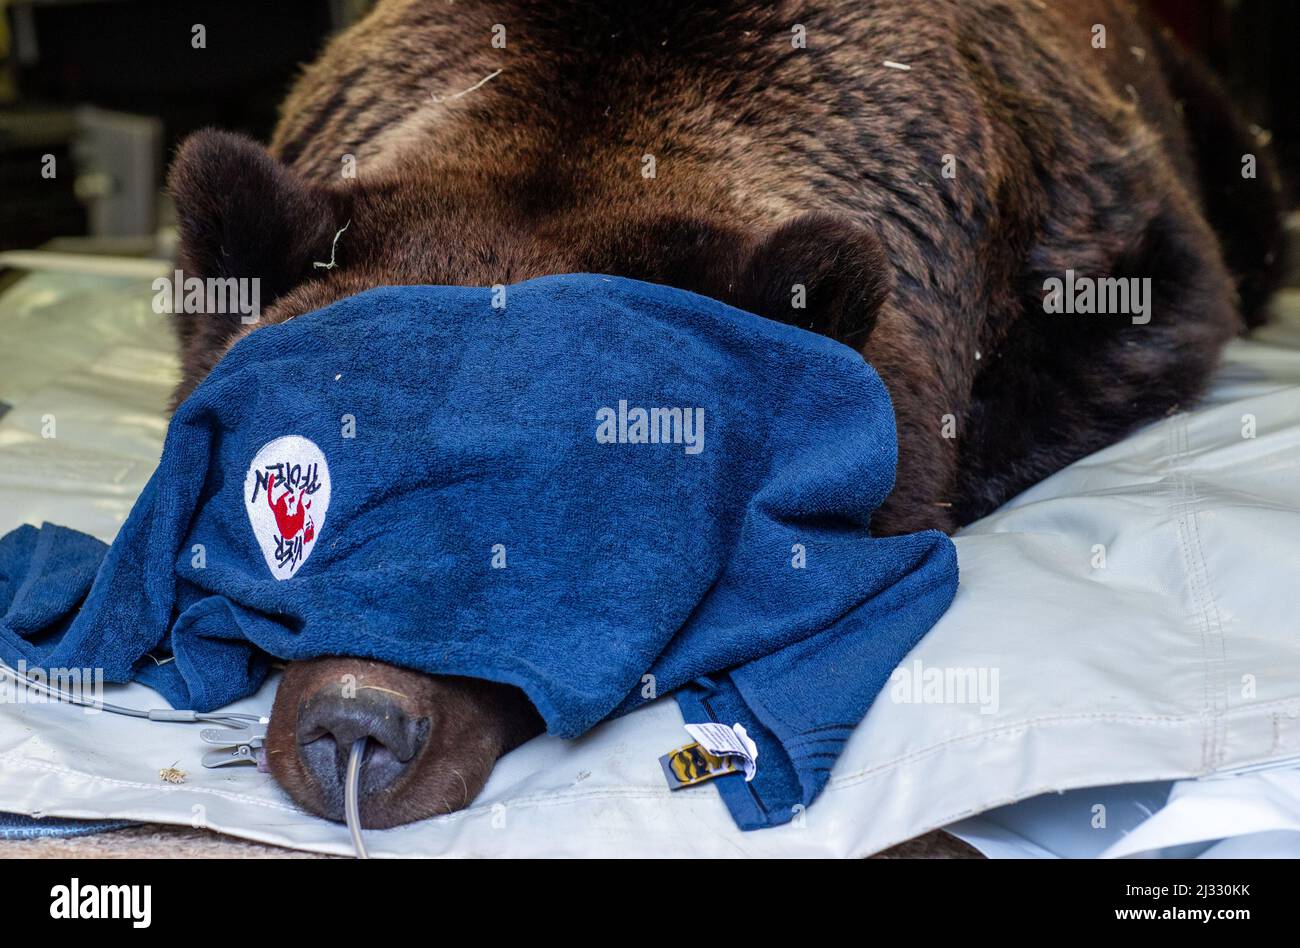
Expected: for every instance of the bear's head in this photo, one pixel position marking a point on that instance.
(432, 740)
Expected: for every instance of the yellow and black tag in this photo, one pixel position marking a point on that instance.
(692, 764)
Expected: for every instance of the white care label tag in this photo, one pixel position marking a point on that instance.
(723, 741)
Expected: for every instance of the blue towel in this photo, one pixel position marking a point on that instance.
(601, 492)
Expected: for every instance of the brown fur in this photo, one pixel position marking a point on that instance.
(775, 166)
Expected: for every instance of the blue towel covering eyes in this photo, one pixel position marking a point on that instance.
(603, 492)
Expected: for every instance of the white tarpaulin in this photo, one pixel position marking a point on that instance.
(1132, 619)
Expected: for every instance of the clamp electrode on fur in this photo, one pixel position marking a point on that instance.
(236, 747)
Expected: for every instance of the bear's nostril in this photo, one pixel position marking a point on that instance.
(329, 723)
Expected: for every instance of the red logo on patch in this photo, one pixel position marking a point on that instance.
(286, 495)
(290, 512)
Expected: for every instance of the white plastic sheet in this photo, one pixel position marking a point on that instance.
(1252, 815)
(1131, 619)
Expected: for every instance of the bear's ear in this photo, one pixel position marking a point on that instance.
(820, 272)
(243, 214)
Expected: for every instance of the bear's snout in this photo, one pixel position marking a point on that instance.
(331, 721)
(431, 741)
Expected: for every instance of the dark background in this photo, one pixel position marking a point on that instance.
(135, 56)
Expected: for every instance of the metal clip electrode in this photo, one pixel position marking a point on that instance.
(237, 746)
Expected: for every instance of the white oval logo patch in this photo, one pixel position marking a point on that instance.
(287, 494)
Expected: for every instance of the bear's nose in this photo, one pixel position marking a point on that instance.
(331, 720)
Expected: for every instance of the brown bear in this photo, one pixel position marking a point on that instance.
(935, 178)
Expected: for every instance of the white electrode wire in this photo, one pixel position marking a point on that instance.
(351, 792)
(154, 714)
(351, 797)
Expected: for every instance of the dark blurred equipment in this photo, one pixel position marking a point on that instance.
(33, 206)
(106, 88)
(119, 163)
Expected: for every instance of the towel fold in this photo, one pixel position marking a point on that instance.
(601, 492)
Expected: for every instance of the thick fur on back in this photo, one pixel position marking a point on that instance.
(776, 165)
